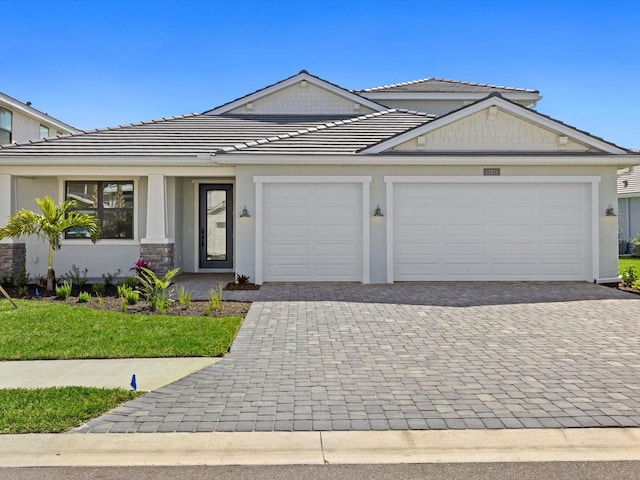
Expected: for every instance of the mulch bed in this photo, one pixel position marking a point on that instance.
(243, 286)
(111, 302)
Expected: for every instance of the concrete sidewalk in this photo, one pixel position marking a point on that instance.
(151, 373)
(287, 448)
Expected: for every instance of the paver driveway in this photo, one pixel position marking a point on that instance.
(411, 356)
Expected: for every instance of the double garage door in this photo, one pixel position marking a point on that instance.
(434, 231)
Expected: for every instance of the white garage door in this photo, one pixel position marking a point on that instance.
(492, 231)
(312, 232)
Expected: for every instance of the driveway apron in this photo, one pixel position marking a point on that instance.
(481, 355)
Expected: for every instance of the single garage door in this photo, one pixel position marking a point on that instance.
(492, 231)
(312, 232)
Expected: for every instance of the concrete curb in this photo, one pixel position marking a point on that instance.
(289, 448)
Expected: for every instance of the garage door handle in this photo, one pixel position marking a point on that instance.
(202, 238)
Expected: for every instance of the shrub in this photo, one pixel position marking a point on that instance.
(23, 291)
(629, 277)
(99, 289)
(131, 282)
(63, 291)
(154, 289)
(128, 295)
(84, 297)
(215, 299)
(110, 278)
(21, 278)
(242, 279)
(6, 279)
(184, 297)
(75, 277)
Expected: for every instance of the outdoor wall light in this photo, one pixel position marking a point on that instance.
(245, 213)
(609, 212)
(378, 212)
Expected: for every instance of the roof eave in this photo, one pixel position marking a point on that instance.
(514, 96)
(14, 104)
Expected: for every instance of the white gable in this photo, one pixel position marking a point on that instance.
(492, 129)
(302, 98)
(302, 94)
(495, 125)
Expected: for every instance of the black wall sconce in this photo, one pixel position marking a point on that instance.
(378, 212)
(245, 213)
(610, 212)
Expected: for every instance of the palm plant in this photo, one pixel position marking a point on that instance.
(50, 226)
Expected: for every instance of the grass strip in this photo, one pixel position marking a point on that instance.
(40, 330)
(626, 262)
(53, 410)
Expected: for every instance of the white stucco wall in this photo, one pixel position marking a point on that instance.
(107, 256)
(26, 128)
(245, 194)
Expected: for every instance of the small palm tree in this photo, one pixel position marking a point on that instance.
(50, 225)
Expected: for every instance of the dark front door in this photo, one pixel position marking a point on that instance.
(216, 226)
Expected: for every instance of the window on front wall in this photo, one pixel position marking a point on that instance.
(110, 202)
(44, 131)
(6, 120)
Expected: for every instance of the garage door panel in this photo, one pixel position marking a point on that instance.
(511, 248)
(463, 230)
(528, 231)
(312, 232)
(514, 270)
(561, 269)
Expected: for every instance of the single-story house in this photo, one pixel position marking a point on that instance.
(303, 180)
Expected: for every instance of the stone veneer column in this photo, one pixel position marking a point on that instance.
(13, 257)
(156, 248)
(12, 253)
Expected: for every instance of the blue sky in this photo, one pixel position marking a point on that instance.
(98, 63)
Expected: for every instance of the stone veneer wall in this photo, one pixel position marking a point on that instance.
(13, 257)
(160, 255)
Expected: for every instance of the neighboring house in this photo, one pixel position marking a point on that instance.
(306, 181)
(20, 122)
(628, 206)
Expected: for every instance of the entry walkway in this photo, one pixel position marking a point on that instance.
(151, 373)
(322, 357)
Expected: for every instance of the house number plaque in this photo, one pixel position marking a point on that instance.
(492, 171)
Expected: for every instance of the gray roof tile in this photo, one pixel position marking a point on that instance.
(196, 133)
(443, 85)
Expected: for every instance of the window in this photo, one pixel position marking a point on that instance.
(44, 131)
(6, 118)
(110, 202)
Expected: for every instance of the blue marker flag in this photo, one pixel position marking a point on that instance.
(133, 382)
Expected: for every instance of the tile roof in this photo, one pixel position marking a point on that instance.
(443, 85)
(338, 137)
(197, 133)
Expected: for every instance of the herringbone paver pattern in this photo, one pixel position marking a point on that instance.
(411, 356)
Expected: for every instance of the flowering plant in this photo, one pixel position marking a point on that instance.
(142, 264)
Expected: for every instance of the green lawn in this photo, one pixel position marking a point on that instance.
(52, 410)
(46, 330)
(626, 262)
